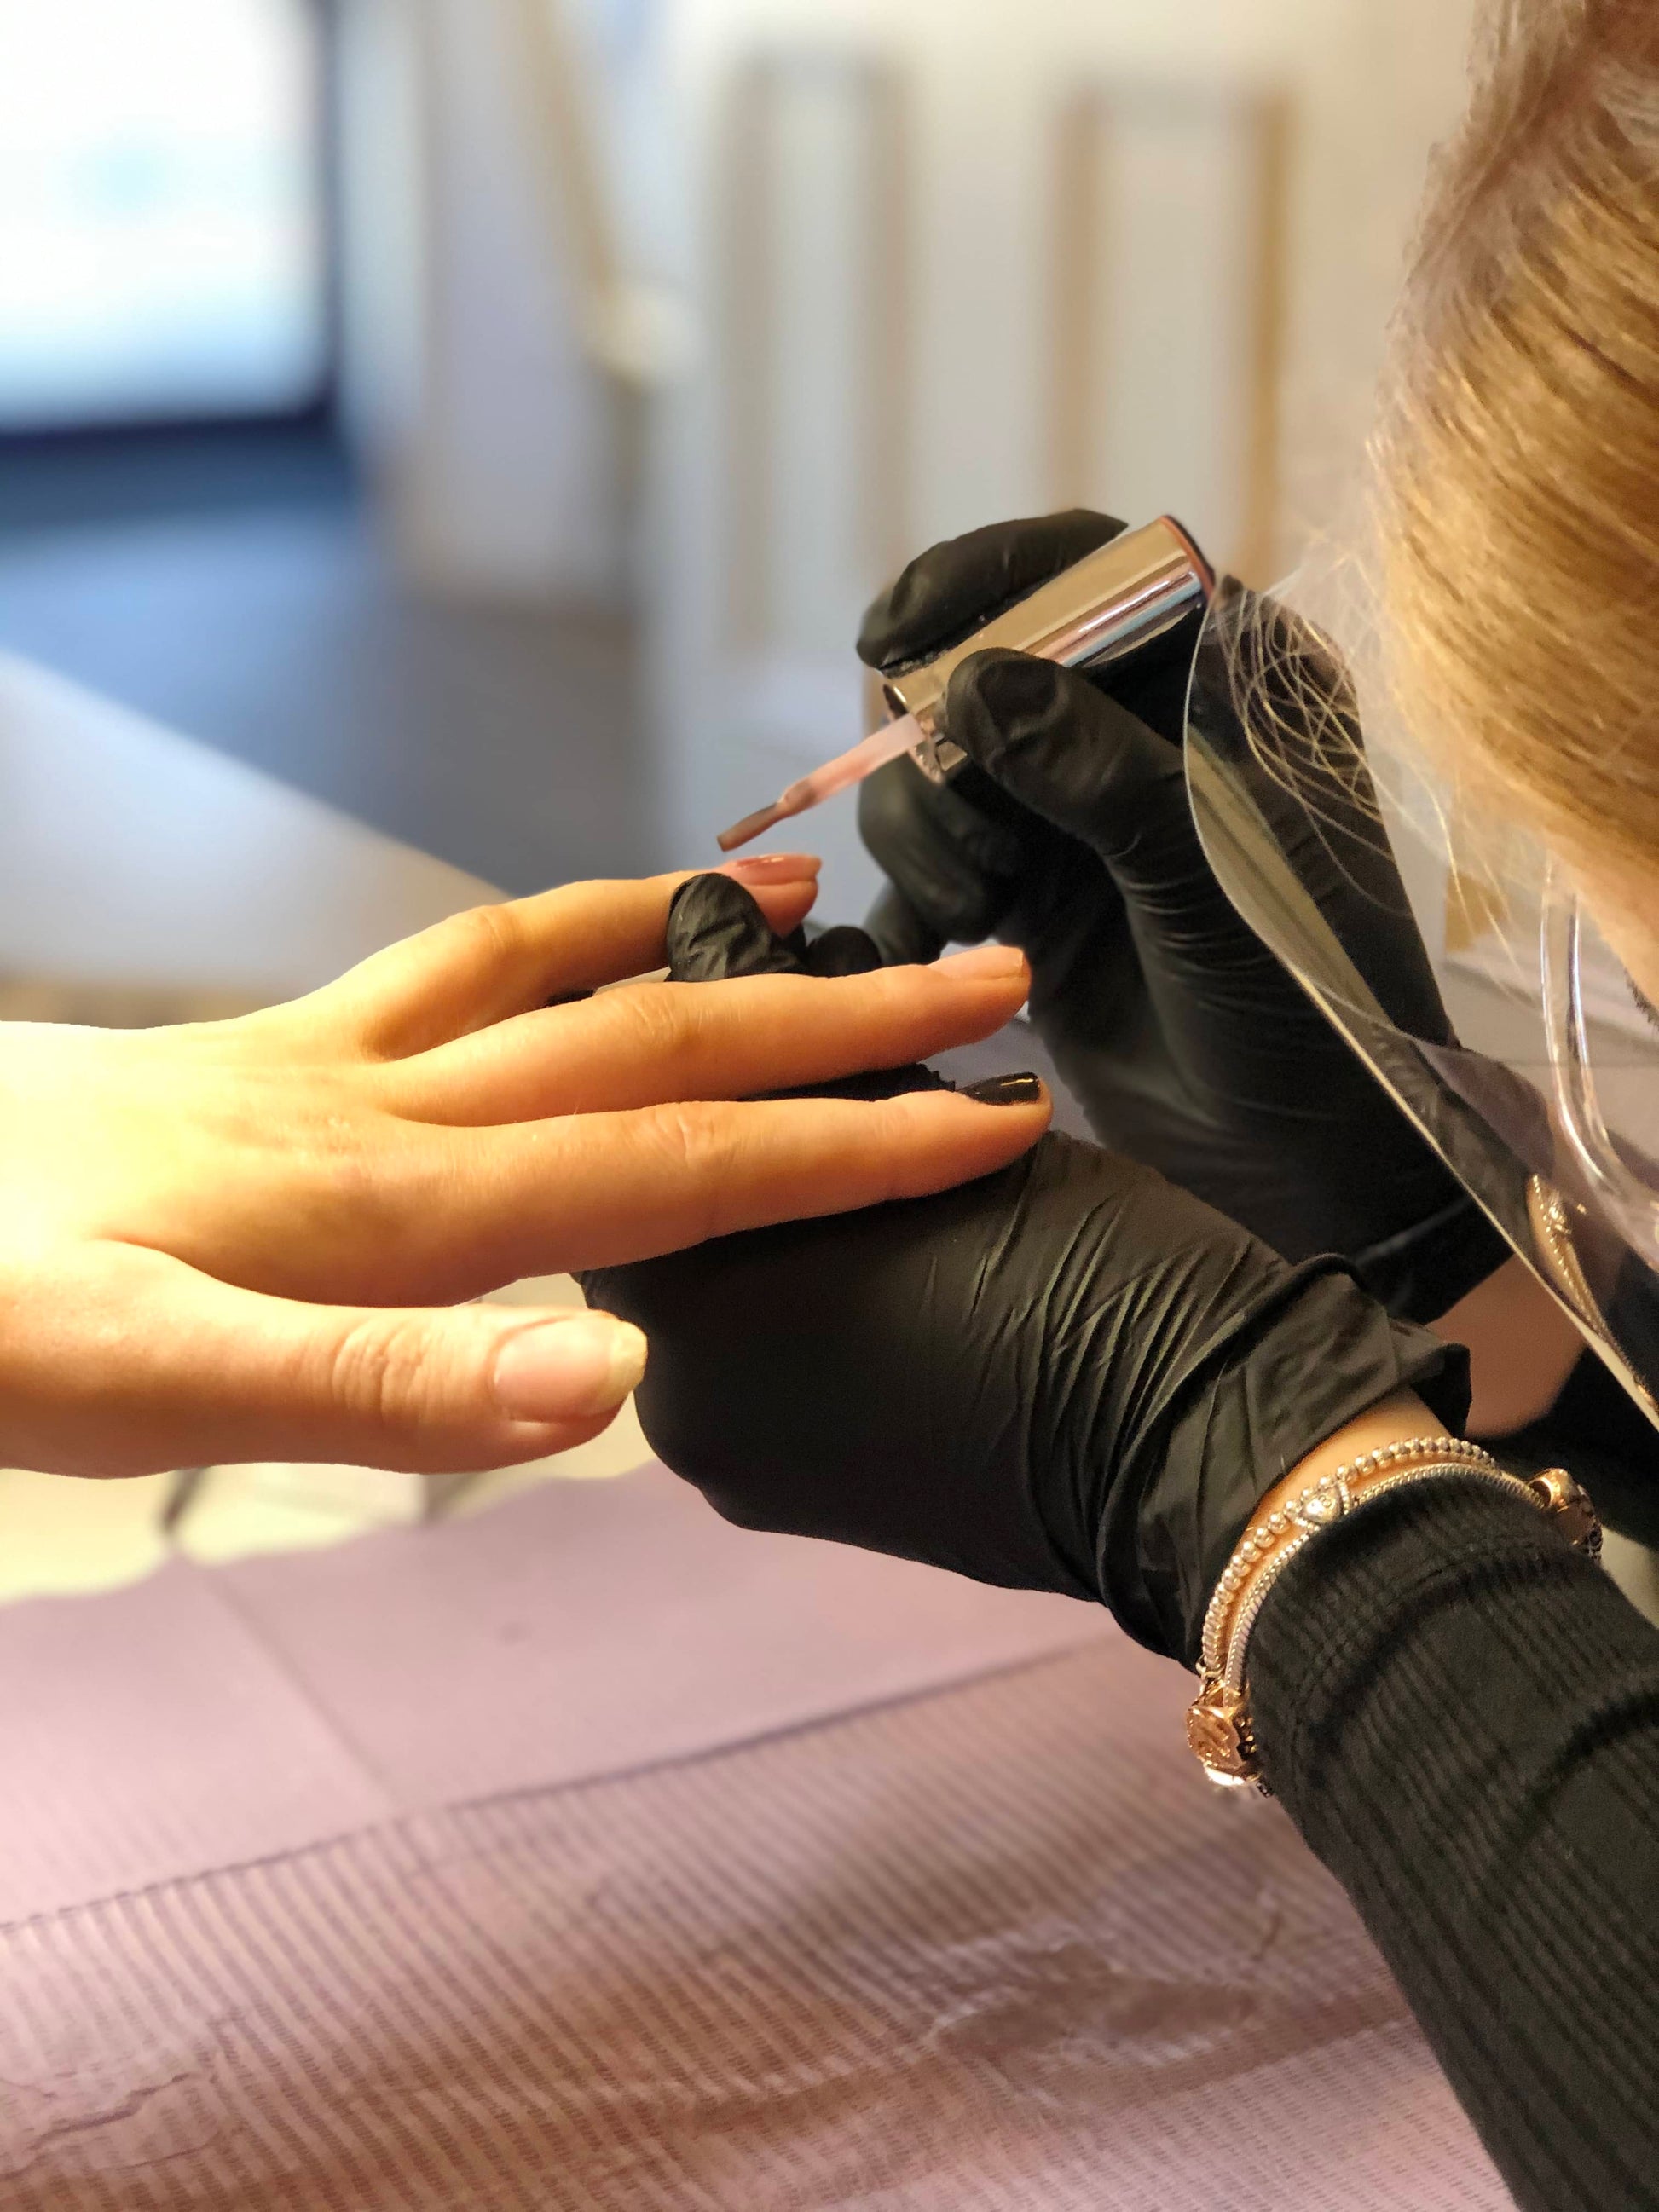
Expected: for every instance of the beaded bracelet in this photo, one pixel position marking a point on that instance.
(1218, 1724)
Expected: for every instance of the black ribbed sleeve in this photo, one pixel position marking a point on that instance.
(1462, 1716)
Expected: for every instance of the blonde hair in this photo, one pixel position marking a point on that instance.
(1519, 452)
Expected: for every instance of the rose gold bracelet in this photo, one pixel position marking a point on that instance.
(1218, 1723)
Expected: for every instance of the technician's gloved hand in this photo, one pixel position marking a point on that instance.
(1069, 1376)
(1070, 835)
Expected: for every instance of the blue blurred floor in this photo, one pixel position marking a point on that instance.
(240, 598)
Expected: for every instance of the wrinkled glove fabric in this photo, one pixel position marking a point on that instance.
(1069, 1376)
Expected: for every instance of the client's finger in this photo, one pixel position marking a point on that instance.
(600, 1188)
(189, 1372)
(657, 1041)
(478, 967)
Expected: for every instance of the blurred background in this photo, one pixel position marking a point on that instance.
(490, 415)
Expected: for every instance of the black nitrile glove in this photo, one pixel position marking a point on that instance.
(1071, 1375)
(1070, 835)
(715, 930)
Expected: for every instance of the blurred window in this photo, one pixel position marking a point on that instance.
(163, 232)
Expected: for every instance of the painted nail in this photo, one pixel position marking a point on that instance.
(1005, 1090)
(559, 1370)
(985, 963)
(774, 868)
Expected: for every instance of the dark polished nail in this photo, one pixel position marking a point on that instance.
(1005, 1090)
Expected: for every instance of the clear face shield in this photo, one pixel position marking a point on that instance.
(1449, 948)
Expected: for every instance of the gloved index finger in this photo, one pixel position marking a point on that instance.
(947, 592)
(1080, 759)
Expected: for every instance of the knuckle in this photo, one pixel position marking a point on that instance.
(888, 1012)
(381, 1371)
(889, 992)
(490, 935)
(894, 1165)
(694, 1139)
(668, 1023)
(699, 1147)
(342, 1166)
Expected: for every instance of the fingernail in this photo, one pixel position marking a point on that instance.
(774, 868)
(985, 963)
(558, 1369)
(1007, 1091)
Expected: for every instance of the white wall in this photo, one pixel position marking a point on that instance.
(1384, 81)
(957, 260)
(467, 383)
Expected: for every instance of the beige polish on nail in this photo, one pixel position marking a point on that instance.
(566, 1370)
(985, 963)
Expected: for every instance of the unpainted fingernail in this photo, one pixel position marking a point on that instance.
(1005, 1090)
(985, 963)
(774, 868)
(563, 1370)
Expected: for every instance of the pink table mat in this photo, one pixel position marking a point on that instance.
(593, 1854)
(211, 1716)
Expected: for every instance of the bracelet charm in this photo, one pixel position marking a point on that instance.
(1220, 1736)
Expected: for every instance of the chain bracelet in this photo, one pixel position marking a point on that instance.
(1219, 1729)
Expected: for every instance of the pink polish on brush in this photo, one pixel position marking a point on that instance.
(1125, 595)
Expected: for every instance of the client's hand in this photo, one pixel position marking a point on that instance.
(244, 1239)
(1069, 1376)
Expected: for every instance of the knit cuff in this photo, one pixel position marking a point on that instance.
(1348, 1629)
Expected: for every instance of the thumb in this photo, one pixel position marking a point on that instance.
(174, 1369)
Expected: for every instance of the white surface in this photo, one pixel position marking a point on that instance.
(465, 372)
(130, 855)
